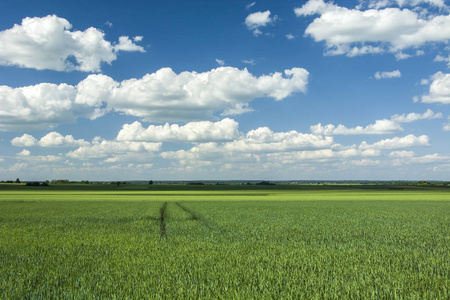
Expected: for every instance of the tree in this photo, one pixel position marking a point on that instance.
(17, 180)
(150, 182)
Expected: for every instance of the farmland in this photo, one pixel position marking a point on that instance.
(207, 242)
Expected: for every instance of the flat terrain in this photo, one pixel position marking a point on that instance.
(264, 242)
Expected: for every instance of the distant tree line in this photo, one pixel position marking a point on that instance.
(37, 183)
(10, 181)
(265, 183)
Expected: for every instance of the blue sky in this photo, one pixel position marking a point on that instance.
(190, 90)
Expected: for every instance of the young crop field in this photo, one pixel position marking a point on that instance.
(225, 244)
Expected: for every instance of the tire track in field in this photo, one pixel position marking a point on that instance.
(193, 215)
(162, 219)
(197, 217)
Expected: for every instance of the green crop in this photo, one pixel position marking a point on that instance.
(258, 244)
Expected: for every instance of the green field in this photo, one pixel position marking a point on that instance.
(224, 243)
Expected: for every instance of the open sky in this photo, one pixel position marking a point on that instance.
(190, 90)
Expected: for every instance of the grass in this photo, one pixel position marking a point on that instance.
(244, 244)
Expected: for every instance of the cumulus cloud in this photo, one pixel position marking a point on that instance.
(259, 19)
(398, 143)
(55, 139)
(166, 96)
(348, 31)
(24, 152)
(48, 43)
(261, 141)
(103, 149)
(227, 129)
(159, 97)
(25, 140)
(384, 126)
(380, 127)
(40, 106)
(125, 44)
(52, 139)
(439, 89)
(393, 74)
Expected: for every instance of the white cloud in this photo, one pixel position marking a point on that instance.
(158, 97)
(314, 155)
(265, 140)
(402, 154)
(25, 140)
(396, 28)
(42, 158)
(125, 44)
(439, 89)
(412, 117)
(249, 61)
(95, 89)
(104, 149)
(18, 167)
(393, 74)
(227, 129)
(380, 127)
(220, 62)
(430, 158)
(446, 126)
(365, 162)
(261, 141)
(441, 58)
(384, 126)
(24, 152)
(52, 139)
(313, 7)
(400, 55)
(259, 19)
(426, 159)
(40, 106)
(250, 5)
(166, 96)
(238, 109)
(48, 43)
(356, 51)
(290, 36)
(55, 139)
(257, 32)
(402, 3)
(398, 143)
